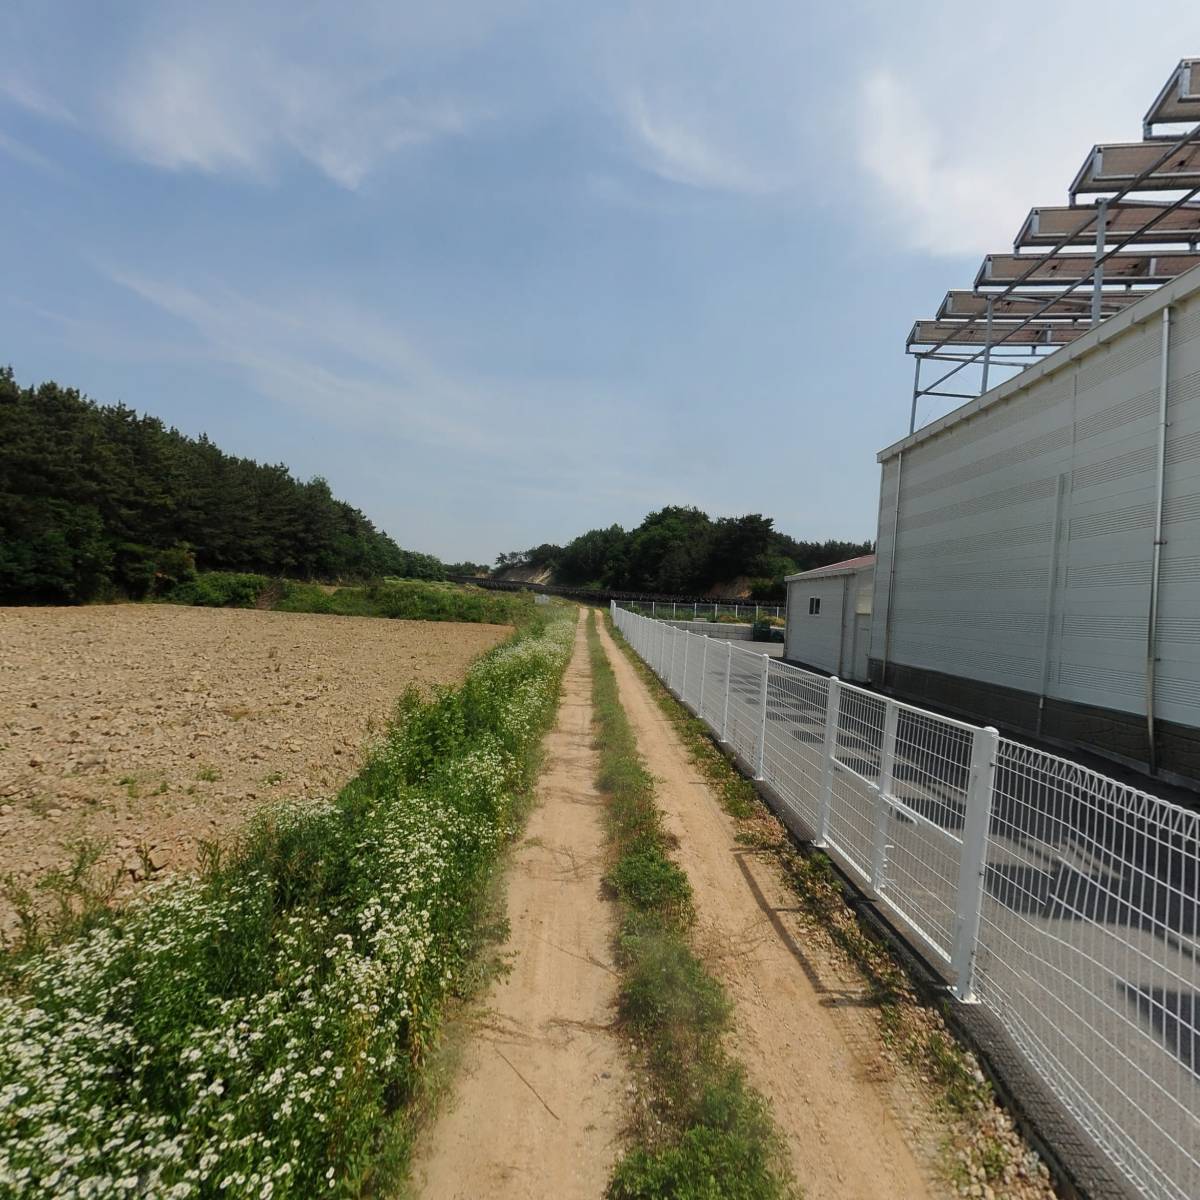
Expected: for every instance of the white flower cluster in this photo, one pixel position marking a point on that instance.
(243, 1035)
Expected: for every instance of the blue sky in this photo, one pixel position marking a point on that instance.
(506, 272)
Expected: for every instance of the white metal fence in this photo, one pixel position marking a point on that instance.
(700, 610)
(1065, 902)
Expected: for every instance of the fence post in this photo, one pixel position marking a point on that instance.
(973, 865)
(833, 706)
(672, 610)
(687, 645)
(883, 798)
(703, 671)
(695, 609)
(728, 673)
(762, 726)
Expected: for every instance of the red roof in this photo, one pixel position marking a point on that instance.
(838, 568)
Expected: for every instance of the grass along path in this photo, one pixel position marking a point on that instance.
(697, 1130)
(800, 1024)
(540, 1096)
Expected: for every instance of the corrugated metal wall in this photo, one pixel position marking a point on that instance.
(1026, 531)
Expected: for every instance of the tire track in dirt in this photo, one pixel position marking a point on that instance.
(537, 1108)
(802, 1028)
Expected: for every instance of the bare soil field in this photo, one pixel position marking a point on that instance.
(161, 727)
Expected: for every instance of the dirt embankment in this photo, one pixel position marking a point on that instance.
(162, 727)
(536, 1110)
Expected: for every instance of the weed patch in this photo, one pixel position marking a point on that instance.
(698, 1132)
(399, 599)
(258, 1030)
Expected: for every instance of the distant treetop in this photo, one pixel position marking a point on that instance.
(683, 551)
(98, 501)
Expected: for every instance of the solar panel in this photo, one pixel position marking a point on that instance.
(1004, 333)
(1110, 167)
(1017, 304)
(1078, 226)
(1033, 270)
(1179, 99)
(1076, 264)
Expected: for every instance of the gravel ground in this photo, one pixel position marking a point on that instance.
(159, 727)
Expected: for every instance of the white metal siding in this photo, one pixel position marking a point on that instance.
(1071, 456)
(889, 478)
(816, 640)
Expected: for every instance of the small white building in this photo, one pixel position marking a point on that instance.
(829, 617)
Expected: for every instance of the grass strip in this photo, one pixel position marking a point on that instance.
(402, 599)
(698, 1130)
(982, 1147)
(258, 1030)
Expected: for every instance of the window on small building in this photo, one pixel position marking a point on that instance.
(814, 606)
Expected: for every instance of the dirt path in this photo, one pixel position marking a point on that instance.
(537, 1108)
(801, 1027)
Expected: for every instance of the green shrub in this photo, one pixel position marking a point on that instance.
(173, 566)
(764, 630)
(399, 599)
(219, 589)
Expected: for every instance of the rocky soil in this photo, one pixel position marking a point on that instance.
(155, 728)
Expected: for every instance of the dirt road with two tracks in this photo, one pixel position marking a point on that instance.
(537, 1109)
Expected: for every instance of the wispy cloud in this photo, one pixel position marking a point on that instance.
(942, 199)
(22, 93)
(956, 145)
(27, 154)
(669, 145)
(349, 368)
(209, 103)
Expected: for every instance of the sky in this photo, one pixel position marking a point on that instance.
(505, 272)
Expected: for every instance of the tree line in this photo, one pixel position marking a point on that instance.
(683, 551)
(99, 501)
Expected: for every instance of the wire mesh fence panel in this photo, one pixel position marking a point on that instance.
(745, 703)
(1088, 954)
(794, 754)
(1088, 948)
(930, 780)
(712, 692)
(695, 670)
